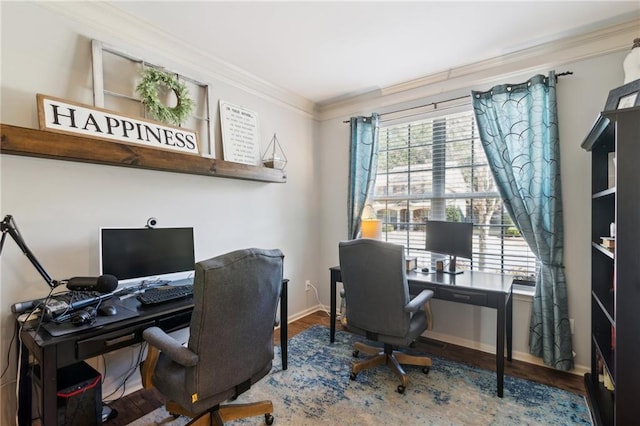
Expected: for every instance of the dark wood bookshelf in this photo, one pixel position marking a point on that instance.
(615, 272)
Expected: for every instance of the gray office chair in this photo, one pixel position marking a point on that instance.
(379, 305)
(230, 344)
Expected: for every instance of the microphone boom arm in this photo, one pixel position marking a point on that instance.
(8, 226)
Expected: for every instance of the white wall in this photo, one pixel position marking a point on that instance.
(580, 98)
(59, 206)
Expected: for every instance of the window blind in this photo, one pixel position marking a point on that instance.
(435, 168)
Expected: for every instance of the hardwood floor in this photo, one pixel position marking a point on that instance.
(139, 403)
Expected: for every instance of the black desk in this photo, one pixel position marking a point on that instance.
(51, 353)
(472, 288)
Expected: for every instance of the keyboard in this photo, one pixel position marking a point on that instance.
(156, 295)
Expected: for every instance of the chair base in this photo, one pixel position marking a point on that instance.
(388, 356)
(224, 413)
(216, 415)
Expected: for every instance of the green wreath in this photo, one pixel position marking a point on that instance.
(148, 92)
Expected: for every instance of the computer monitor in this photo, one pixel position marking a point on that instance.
(137, 254)
(450, 238)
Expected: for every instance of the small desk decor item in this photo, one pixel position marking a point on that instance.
(625, 96)
(148, 87)
(608, 242)
(274, 157)
(411, 263)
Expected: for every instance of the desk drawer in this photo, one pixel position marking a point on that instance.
(175, 322)
(469, 297)
(415, 289)
(108, 342)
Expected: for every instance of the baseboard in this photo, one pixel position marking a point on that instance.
(579, 370)
(306, 312)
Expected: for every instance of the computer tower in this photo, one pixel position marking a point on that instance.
(79, 396)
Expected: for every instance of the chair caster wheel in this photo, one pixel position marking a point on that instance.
(401, 389)
(268, 419)
(355, 353)
(353, 376)
(425, 370)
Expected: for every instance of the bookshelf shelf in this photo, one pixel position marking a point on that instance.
(606, 251)
(609, 192)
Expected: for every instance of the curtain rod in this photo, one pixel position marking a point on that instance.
(435, 104)
(562, 74)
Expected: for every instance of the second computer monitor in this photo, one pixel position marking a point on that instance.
(451, 238)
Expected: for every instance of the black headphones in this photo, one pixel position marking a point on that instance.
(87, 315)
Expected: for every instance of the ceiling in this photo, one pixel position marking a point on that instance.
(325, 51)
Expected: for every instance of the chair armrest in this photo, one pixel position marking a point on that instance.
(418, 302)
(170, 347)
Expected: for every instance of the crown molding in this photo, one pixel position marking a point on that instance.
(122, 28)
(105, 18)
(534, 59)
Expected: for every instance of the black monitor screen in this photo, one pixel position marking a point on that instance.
(452, 238)
(146, 252)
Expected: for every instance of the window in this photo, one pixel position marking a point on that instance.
(435, 168)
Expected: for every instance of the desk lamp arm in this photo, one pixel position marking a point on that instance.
(8, 226)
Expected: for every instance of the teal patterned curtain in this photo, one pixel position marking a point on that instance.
(518, 126)
(363, 160)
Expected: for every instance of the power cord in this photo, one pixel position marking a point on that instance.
(322, 306)
(123, 385)
(19, 368)
(13, 338)
(42, 305)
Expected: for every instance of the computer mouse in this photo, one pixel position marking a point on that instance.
(107, 310)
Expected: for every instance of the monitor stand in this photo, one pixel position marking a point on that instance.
(452, 266)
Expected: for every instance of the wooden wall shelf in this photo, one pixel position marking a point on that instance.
(45, 144)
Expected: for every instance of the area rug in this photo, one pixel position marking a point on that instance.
(316, 390)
